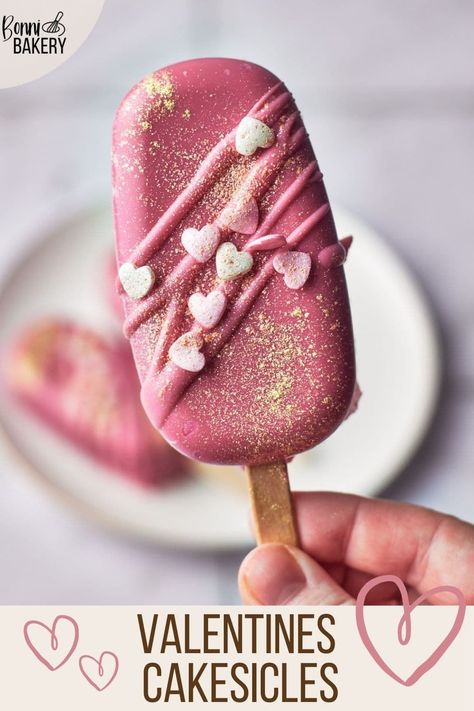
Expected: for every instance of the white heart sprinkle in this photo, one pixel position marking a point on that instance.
(252, 134)
(137, 281)
(231, 263)
(185, 352)
(296, 267)
(201, 244)
(207, 310)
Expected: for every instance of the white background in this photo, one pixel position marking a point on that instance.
(386, 89)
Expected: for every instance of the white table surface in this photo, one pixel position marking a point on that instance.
(386, 89)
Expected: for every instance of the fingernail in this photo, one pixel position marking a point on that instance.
(272, 575)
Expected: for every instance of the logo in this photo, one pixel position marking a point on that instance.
(36, 36)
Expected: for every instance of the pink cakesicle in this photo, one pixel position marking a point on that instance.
(86, 389)
(217, 189)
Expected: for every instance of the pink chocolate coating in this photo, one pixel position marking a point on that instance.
(279, 367)
(86, 389)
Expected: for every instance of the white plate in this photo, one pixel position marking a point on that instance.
(398, 370)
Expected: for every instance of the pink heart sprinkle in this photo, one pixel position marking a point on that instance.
(201, 244)
(241, 216)
(207, 310)
(185, 352)
(295, 266)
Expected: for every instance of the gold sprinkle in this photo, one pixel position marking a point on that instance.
(159, 85)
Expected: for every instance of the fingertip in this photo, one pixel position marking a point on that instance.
(282, 575)
(270, 575)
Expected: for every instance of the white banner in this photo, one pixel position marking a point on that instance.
(115, 658)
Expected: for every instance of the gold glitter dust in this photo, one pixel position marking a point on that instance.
(158, 87)
(222, 191)
(186, 114)
(210, 337)
(160, 84)
(278, 391)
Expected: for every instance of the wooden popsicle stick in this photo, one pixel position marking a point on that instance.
(272, 506)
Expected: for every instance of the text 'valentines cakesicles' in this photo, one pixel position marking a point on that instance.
(231, 271)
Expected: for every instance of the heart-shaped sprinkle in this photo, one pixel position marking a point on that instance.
(252, 134)
(241, 216)
(185, 352)
(207, 310)
(201, 244)
(265, 243)
(296, 267)
(137, 281)
(231, 263)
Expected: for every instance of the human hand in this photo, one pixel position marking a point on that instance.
(347, 540)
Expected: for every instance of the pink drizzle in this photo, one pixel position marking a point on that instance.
(268, 242)
(258, 180)
(334, 255)
(166, 383)
(172, 381)
(220, 157)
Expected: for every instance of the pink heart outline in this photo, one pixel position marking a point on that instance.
(405, 624)
(100, 669)
(54, 640)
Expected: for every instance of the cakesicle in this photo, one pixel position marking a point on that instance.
(86, 389)
(229, 266)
